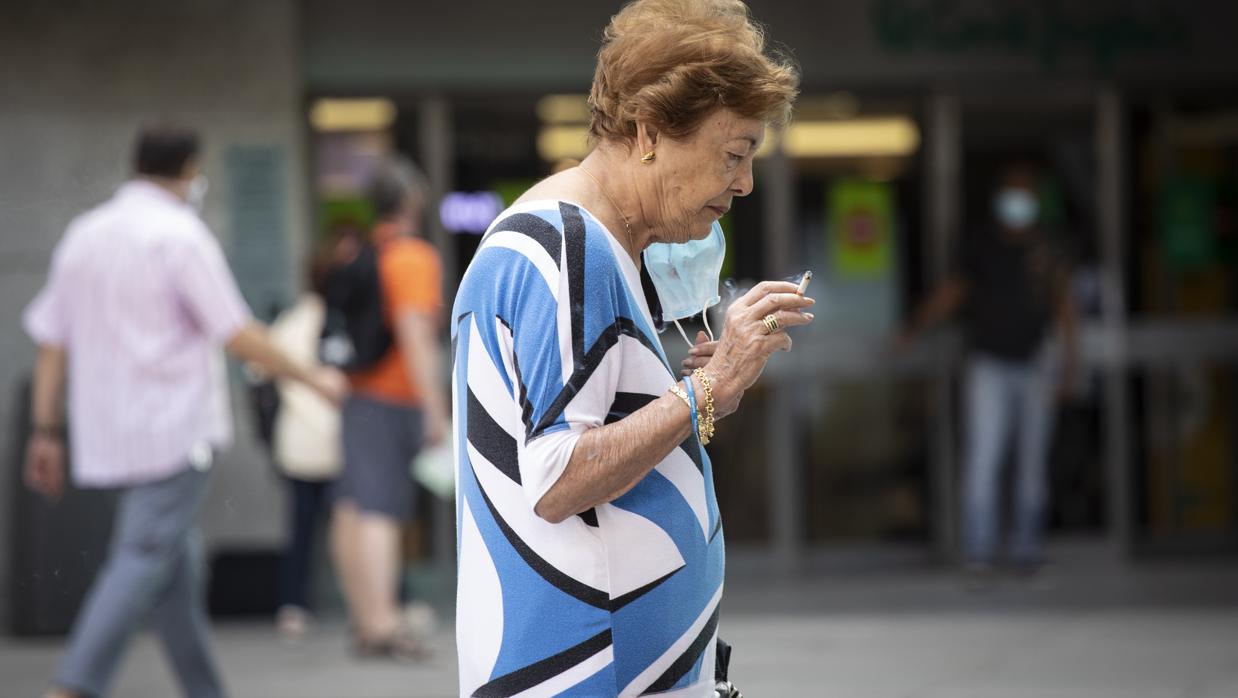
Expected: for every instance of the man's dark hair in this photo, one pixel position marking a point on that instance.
(164, 151)
(396, 186)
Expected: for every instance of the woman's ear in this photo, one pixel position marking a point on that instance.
(646, 138)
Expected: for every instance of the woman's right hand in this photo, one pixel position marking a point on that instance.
(746, 342)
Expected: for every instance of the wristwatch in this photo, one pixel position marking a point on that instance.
(48, 432)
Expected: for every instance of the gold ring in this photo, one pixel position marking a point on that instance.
(771, 323)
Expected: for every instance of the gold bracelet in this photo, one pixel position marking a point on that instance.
(707, 415)
(678, 391)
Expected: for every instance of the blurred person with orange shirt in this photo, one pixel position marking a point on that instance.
(397, 406)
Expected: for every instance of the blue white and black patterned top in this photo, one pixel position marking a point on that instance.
(552, 336)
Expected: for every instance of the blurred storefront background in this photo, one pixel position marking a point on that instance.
(908, 109)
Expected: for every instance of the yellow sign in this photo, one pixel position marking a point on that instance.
(860, 229)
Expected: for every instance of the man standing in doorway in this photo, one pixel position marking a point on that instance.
(138, 301)
(1013, 286)
(396, 405)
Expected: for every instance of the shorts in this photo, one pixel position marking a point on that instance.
(380, 440)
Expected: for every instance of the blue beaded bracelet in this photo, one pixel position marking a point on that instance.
(687, 384)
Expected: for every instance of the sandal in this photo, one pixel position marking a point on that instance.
(400, 646)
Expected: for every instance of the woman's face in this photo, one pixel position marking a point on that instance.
(695, 179)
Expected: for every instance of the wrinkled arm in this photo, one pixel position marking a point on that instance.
(609, 460)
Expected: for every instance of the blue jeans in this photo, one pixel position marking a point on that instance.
(1004, 396)
(155, 569)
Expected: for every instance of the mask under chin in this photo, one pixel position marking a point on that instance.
(685, 275)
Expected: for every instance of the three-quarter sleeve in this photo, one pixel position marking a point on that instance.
(569, 359)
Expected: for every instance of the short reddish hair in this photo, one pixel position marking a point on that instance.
(672, 62)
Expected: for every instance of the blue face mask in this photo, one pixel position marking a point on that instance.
(1016, 208)
(686, 276)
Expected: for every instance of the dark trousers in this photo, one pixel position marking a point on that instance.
(307, 507)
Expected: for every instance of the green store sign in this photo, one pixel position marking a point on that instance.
(1049, 30)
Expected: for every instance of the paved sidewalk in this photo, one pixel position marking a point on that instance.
(1086, 632)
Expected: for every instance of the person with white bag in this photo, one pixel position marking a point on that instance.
(306, 450)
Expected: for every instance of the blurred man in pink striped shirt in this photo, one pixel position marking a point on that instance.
(138, 303)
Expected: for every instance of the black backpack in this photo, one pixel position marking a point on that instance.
(355, 334)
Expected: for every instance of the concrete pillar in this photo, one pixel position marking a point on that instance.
(943, 153)
(1110, 164)
(786, 495)
(437, 144)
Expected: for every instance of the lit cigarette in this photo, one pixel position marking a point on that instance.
(804, 282)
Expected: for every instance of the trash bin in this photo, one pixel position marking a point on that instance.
(244, 583)
(57, 548)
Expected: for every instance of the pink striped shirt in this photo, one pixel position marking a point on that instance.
(140, 296)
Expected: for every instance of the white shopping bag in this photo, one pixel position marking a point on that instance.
(435, 469)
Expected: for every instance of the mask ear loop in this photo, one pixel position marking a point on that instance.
(708, 330)
(683, 334)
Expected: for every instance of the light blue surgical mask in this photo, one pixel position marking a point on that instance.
(196, 196)
(1016, 208)
(686, 276)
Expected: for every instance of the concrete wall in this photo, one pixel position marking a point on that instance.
(76, 79)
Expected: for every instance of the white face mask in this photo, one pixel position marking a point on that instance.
(1016, 208)
(196, 195)
(686, 276)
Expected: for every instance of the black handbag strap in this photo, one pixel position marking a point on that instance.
(723, 664)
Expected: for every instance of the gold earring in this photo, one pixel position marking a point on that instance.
(648, 157)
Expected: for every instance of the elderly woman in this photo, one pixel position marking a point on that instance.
(591, 554)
